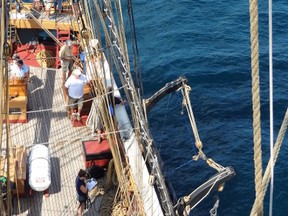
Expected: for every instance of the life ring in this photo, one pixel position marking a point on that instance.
(45, 59)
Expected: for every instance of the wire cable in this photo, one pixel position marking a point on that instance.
(271, 106)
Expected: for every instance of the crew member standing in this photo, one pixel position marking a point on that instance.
(65, 54)
(74, 90)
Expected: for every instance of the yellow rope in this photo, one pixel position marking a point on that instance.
(258, 209)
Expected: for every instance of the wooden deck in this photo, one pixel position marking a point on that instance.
(49, 125)
(23, 19)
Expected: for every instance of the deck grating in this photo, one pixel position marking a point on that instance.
(54, 129)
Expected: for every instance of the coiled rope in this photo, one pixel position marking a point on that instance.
(45, 59)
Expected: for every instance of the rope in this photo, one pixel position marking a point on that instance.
(39, 23)
(258, 209)
(267, 173)
(186, 102)
(45, 59)
(208, 192)
(188, 129)
(271, 107)
(164, 122)
(64, 106)
(179, 167)
(123, 69)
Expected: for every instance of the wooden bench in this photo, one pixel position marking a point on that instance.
(18, 101)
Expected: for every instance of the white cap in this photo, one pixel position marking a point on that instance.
(93, 43)
(77, 72)
(69, 43)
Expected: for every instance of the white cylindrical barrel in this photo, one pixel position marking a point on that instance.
(39, 168)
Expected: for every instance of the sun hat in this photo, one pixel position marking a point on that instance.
(93, 43)
(77, 72)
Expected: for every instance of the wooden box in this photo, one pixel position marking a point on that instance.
(96, 153)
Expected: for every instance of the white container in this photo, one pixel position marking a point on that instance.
(39, 168)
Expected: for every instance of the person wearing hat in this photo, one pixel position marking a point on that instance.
(74, 90)
(81, 190)
(65, 54)
(19, 69)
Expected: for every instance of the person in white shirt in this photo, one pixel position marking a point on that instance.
(74, 89)
(19, 70)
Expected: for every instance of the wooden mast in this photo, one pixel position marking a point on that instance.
(1, 95)
(5, 53)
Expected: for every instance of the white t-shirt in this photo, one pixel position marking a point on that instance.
(76, 86)
(17, 71)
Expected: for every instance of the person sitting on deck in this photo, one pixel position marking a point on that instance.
(74, 90)
(81, 189)
(19, 70)
(65, 54)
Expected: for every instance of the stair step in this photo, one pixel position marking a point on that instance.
(63, 32)
(62, 35)
(63, 38)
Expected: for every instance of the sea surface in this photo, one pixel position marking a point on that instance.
(209, 43)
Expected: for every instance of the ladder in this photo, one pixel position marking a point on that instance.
(11, 33)
(62, 36)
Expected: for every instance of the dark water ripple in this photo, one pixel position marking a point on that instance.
(209, 43)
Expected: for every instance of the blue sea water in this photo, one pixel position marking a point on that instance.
(209, 42)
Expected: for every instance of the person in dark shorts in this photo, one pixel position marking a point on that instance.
(81, 190)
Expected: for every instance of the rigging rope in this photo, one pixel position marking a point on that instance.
(198, 143)
(267, 173)
(188, 129)
(164, 123)
(118, 149)
(258, 209)
(2, 38)
(271, 107)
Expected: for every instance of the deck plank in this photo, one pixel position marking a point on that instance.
(52, 128)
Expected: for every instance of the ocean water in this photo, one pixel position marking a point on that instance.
(209, 42)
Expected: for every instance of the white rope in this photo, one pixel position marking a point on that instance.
(271, 107)
(212, 186)
(64, 106)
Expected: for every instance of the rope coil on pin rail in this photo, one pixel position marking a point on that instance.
(45, 58)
